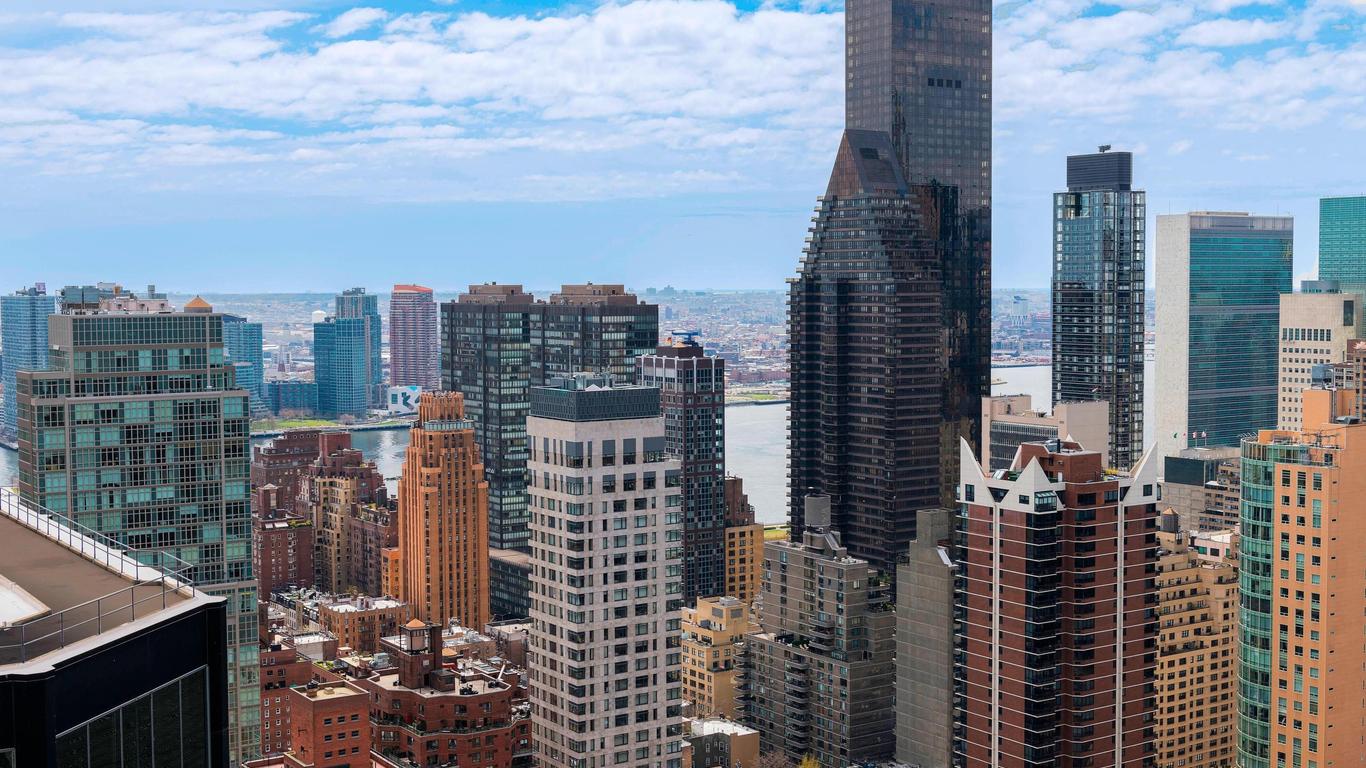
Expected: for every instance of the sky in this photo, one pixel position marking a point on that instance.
(283, 145)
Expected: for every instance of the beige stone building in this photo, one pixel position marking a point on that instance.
(713, 641)
(1197, 670)
(1009, 420)
(1316, 325)
(744, 544)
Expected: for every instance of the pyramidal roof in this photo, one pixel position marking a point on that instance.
(198, 304)
(865, 164)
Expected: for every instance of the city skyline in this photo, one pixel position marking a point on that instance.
(712, 166)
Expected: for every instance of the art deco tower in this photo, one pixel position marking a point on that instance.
(441, 564)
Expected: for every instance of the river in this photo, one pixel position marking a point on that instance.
(756, 441)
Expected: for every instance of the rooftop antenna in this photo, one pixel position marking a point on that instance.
(1104, 148)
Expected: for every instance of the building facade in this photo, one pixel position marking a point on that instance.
(341, 367)
(821, 668)
(1197, 667)
(925, 631)
(1342, 242)
(282, 544)
(744, 544)
(138, 431)
(1099, 296)
(1221, 276)
(604, 655)
(243, 347)
(509, 584)
(414, 341)
(442, 558)
(1201, 485)
(347, 499)
(692, 387)
(359, 622)
(356, 304)
(1008, 421)
(1300, 657)
(880, 394)
(1316, 325)
(1055, 663)
(713, 642)
(23, 330)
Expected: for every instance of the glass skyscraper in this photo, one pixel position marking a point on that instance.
(355, 303)
(1342, 242)
(23, 323)
(242, 340)
(1098, 295)
(1221, 276)
(139, 431)
(341, 366)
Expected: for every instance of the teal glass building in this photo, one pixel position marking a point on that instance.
(356, 304)
(138, 430)
(23, 328)
(341, 366)
(1342, 242)
(243, 341)
(1220, 277)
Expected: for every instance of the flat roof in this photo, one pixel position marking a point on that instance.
(63, 581)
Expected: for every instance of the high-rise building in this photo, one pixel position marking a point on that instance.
(1316, 325)
(23, 330)
(414, 344)
(283, 462)
(713, 644)
(1342, 242)
(347, 499)
(282, 544)
(822, 679)
(1197, 662)
(242, 346)
(498, 341)
(1099, 296)
(692, 387)
(137, 430)
(606, 577)
(1303, 575)
(1010, 420)
(1201, 486)
(1056, 663)
(356, 304)
(925, 625)
(108, 655)
(744, 544)
(441, 563)
(341, 367)
(1220, 278)
(889, 356)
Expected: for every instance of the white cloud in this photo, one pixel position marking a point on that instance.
(1180, 147)
(1218, 33)
(352, 21)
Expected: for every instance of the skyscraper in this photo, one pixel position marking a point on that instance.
(23, 323)
(1316, 325)
(606, 577)
(139, 431)
(441, 563)
(341, 367)
(879, 401)
(1056, 660)
(242, 343)
(356, 304)
(1220, 279)
(414, 346)
(497, 341)
(1342, 242)
(1303, 576)
(692, 390)
(873, 396)
(1099, 296)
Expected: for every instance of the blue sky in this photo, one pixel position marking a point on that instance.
(288, 145)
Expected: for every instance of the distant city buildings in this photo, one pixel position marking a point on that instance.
(341, 368)
(822, 677)
(1055, 661)
(23, 340)
(356, 304)
(414, 342)
(1315, 326)
(1220, 278)
(1009, 421)
(606, 577)
(138, 431)
(1342, 242)
(440, 565)
(242, 346)
(692, 388)
(1099, 295)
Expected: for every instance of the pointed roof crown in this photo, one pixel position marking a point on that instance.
(866, 164)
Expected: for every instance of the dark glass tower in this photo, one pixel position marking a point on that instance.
(868, 360)
(891, 316)
(1098, 295)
